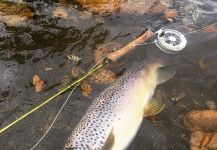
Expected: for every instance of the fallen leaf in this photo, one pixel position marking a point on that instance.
(86, 88)
(76, 72)
(204, 121)
(48, 69)
(170, 15)
(38, 83)
(203, 65)
(74, 58)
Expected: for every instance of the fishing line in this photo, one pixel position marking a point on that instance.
(201, 29)
(60, 110)
(55, 118)
(147, 43)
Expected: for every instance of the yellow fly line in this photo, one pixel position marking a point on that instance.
(54, 96)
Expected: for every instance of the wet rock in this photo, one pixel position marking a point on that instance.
(86, 88)
(178, 97)
(12, 20)
(14, 14)
(191, 14)
(203, 141)
(38, 83)
(101, 6)
(60, 13)
(65, 80)
(204, 121)
(159, 6)
(19, 9)
(127, 7)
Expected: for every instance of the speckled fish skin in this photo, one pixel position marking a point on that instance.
(119, 108)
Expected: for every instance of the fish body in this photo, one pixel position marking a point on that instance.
(114, 118)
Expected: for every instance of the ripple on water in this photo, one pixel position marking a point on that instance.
(197, 13)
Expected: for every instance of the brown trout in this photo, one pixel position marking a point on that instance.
(114, 118)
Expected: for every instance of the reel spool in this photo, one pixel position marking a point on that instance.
(170, 41)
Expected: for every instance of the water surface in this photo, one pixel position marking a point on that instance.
(55, 30)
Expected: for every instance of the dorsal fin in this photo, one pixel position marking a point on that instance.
(110, 141)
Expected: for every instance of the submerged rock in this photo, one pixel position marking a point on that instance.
(203, 124)
(203, 141)
(205, 121)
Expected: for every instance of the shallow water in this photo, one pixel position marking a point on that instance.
(47, 38)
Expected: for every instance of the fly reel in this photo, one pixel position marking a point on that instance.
(170, 41)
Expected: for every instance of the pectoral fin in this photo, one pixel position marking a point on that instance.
(153, 107)
(110, 141)
(164, 74)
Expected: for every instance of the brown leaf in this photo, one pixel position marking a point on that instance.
(86, 88)
(38, 83)
(170, 15)
(203, 65)
(48, 69)
(76, 72)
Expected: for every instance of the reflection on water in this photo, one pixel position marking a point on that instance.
(44, 33)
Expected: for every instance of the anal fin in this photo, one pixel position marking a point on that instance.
(153, 107)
